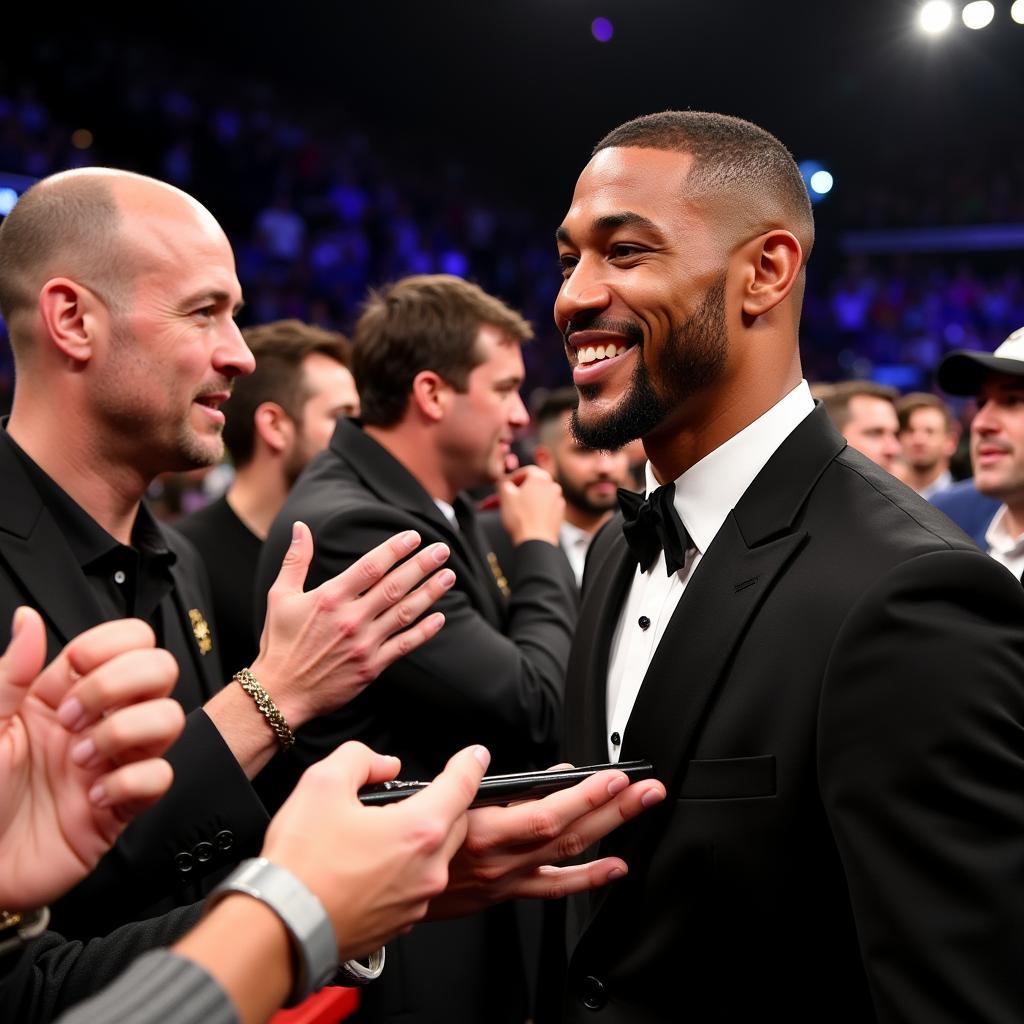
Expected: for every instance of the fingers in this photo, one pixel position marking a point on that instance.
(389, 589)
(352, 766)
(448, 797)
(361, 575)
(131, 733)
(128, 678)
(553, 883)
(132, 787)
(408, 640)
(563, 824)
(292, 575)
(89, 651)
(23, 660)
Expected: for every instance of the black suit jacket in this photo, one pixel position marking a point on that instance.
(493, 675)
(837, 710)
(210, 802)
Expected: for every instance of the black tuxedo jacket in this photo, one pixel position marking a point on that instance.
(211, 817)
(493, 675)
(837, 710)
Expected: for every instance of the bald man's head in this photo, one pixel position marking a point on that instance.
(75, 225)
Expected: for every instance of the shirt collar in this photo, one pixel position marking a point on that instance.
(573, 536)
(88, 541)
(709, 490)
(998, 537)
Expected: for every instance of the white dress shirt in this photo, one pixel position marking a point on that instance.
(574, 543)
(705, 495)
(1003, 546)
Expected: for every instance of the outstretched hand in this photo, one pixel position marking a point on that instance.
(320, 648)
(80, 746)
(513, 852)
(375, 869)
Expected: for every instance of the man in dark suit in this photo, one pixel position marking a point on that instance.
(119, 293)
(275, 421)
(438, 366)
(826, 674)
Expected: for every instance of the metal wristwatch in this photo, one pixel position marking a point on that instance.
(303, 915)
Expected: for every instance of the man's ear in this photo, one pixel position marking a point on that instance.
(74, 318)
(274, 427)
(431, 395)
(774, 262)
(542, 456)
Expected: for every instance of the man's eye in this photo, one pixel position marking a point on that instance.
(567, 262)
(205, 311)
(623, 251)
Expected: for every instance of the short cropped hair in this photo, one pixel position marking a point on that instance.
(728, 153)
(426, 322)
(550, 410)
(70, 227)
(279, 348)
(837, 399)
(909, 404)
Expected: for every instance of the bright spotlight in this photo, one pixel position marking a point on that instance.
(821, 182)
(978, 13)
(8, 197)
(935, 16)
(1017, 11)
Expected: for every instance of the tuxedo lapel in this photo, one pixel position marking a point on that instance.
(610, 569)
(757, 542)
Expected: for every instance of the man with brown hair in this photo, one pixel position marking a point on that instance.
(828, 676)
(865, 414)
(928, 436)
(276, 420)
(438, 365)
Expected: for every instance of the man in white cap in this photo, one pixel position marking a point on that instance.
(996, 380)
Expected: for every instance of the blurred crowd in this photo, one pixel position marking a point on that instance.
(318, 212)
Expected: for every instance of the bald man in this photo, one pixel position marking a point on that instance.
(119, 293)
(827, 674)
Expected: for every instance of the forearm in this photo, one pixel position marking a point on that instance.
(246, 732)
(243, 945)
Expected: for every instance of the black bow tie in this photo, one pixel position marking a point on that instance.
(652, 524)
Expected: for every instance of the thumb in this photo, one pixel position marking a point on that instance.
(22, 661)
(295, 566)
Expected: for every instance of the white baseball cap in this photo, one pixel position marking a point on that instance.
(964, 372)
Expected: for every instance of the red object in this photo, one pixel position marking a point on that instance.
(327, 1006)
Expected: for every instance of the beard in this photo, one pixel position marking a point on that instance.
(159, 443)
(579, 497)
(692, 358)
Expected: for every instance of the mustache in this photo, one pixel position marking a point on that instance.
(596, 322)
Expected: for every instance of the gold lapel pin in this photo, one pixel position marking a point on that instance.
(200, 630)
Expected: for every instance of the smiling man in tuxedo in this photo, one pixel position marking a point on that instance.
(827, 676)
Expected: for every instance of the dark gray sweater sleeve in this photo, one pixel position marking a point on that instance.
(159, 988)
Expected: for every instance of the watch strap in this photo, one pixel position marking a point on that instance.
(309, 928)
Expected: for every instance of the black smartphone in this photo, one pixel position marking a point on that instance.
(505, 789)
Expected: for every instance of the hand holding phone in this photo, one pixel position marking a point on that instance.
(506, 789)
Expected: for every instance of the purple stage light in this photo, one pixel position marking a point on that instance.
(602, 29)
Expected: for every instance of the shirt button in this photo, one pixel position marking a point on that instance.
(616, 739)
(643, 622)
(119, 576)
(594, 994)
